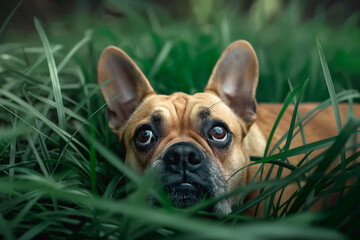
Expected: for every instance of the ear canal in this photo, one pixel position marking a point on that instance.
(234, 79)
(127, 86)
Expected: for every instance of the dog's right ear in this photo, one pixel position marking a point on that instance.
(234, 79)
(127, 85)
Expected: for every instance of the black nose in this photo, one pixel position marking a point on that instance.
(184, 154)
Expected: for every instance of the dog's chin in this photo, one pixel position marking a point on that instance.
(185, 194)
(189, 190)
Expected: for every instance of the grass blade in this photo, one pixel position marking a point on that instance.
(5, 229)
(331, 90)
(69, 112)
(3, 26)
(34, 112)
(161, 58)
(35, 230)
(283, 109)
(13, 151)
(41, 58)
(63, 63)
(53, 74)
(334, 151)
(174, 221)
(291, 152)
(93, 162)
(112, 158)
(22, 213)
(301, 128)
(289, 138)
(37, 157)
(343, 96)
(330, 86)
(24, 121)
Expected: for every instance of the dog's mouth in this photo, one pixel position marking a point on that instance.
(186, 187)
(189, 176)
(186, 194)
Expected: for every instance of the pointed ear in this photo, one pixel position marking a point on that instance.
(234, 79)
(127, 86)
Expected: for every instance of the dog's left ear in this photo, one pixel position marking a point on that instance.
(127, 88)
(234, 79)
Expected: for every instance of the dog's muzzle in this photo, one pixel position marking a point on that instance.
(189, 175)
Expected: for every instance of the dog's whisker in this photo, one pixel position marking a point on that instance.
(215, 104)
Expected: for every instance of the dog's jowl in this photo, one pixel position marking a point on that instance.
(196, 142)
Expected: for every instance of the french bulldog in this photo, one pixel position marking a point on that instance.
(196, 142)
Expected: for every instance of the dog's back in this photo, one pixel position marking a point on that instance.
(321, 126)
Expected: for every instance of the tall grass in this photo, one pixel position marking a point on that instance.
(62, 176)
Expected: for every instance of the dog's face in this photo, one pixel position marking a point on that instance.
(195, 142)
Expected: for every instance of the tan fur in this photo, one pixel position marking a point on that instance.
(230, 95)
(320, 127)
(179, 109)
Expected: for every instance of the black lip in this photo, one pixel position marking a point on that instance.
(182, 183)
(179, 181)
(186, 187)
(186, 194)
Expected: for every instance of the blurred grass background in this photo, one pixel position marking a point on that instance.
(61, 174)
(177, 43)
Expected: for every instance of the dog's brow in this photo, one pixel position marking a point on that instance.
(156, 118)
(204, 113)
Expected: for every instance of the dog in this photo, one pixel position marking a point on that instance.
(196, 142)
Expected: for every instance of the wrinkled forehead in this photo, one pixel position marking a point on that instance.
(182, 105)
(183, 109)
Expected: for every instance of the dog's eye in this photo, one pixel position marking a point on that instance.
(218, 133)
(145, 137)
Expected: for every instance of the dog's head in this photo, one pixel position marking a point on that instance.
(195, 142)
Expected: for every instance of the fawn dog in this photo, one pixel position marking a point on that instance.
(196, 142)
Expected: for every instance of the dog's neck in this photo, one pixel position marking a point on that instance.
(254, 145)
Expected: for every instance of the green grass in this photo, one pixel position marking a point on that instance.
(61, 174)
